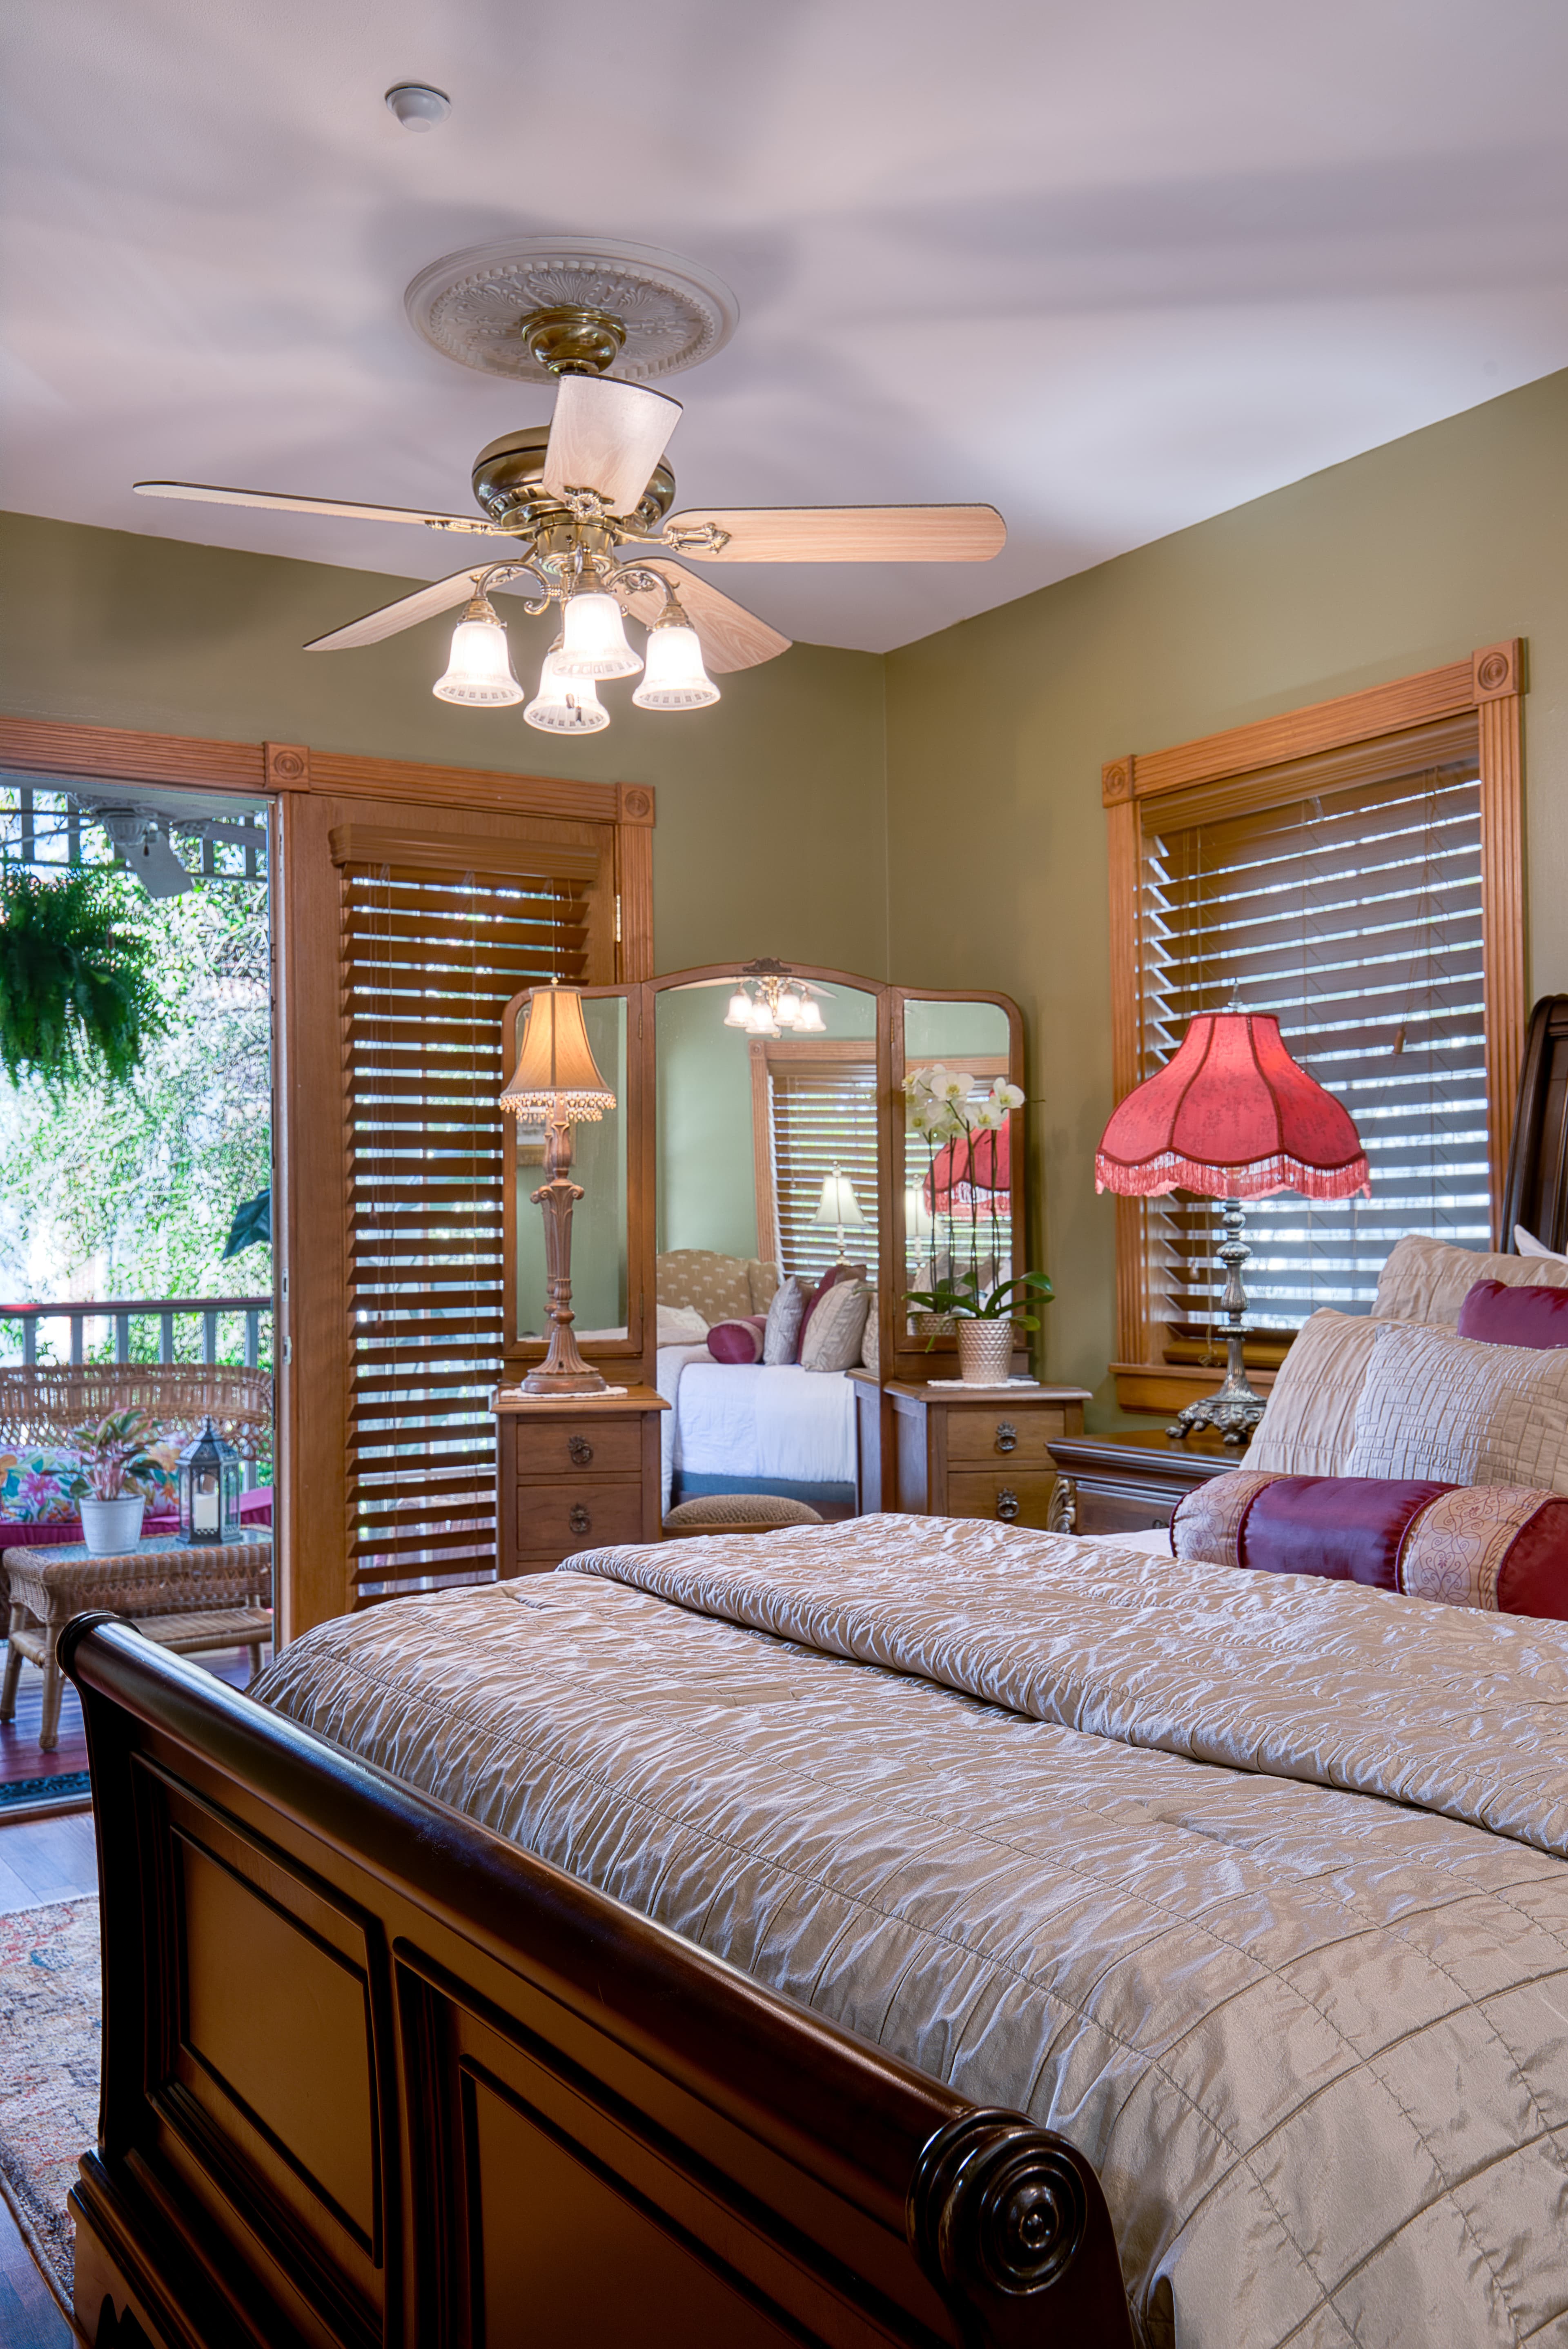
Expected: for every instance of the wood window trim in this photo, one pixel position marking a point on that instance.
(617, 818)
(1489, 686)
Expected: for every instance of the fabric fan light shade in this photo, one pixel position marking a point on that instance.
(557, 1076)
(1232, 1115)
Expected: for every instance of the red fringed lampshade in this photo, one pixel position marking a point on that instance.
(969, 1168)
(1232, 1115)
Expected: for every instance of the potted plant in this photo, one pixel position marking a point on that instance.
(984, 1309)
(105, 1455)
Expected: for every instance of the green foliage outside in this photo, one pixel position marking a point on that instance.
(128, 1188)
(77, 995)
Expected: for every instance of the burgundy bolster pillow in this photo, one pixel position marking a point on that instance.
(738, 1342)
(1500, 1313)
(1500, 1548)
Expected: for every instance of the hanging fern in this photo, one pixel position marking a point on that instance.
(78, 997)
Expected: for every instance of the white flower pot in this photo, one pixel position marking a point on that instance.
(110, 1526)
(985, 1351)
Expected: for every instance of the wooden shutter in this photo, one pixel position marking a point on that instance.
(407, 928)
(822, 1115)
(1354, 914)
(431, 954)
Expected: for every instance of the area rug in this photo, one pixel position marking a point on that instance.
(49, 2036)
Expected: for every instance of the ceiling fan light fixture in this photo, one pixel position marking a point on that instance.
(565, 705)
(675, 677)
(479, 670)
(592, 642)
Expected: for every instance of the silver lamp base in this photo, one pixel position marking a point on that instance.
(1237, 1406)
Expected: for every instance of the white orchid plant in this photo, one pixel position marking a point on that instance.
(941, 1109)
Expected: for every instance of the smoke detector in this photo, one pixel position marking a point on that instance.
(418, 106)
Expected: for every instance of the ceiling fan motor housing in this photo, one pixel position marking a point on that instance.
(508, 482)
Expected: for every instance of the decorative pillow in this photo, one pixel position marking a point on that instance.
(1308, 1425)
(1501, 1548)
(871, 1342)
(1437, 1404)
(719, 1287)
(833, 1337)
(1427, 1280)
(738, 1342)
(781, 1340)
(832, 1279)
(34, 1485)
(1527, 1243)
(1496, 1315)
(679, 1325)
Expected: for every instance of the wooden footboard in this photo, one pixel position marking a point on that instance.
(375, 2075)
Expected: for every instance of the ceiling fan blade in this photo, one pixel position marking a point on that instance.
(198, 494)
(843, 533)
(731, 636)
(608, 437)
(406, 613)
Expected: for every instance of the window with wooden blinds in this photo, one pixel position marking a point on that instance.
(823, 1116)
(431, 958)
(1354, 914)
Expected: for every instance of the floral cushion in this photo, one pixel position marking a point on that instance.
(34, 1483)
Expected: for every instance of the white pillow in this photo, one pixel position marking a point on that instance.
(1426, 1280)
(1528, 1245)
(679, 1325)
(1438, 1405)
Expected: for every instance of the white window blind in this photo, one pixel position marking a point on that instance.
(1354, 914)
(823, 1117)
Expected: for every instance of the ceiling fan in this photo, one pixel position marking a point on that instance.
(581, 510)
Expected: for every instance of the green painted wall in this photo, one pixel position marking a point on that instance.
(771, 830)
(1402, 559)
(707, 1177)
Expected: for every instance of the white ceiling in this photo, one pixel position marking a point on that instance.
(1114, 267)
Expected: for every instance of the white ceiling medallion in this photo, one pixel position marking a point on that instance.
(471, 306)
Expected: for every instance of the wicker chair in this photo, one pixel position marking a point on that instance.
(45, 1402)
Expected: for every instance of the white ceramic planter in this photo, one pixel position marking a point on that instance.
(110, 1526)
(985, 1351)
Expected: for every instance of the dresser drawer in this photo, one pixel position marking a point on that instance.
(581, 1446)
(1001, 1434)
(553, 1520)
(1016, 1497)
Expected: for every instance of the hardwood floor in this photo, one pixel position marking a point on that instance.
(20, 1754)
(30, 2315)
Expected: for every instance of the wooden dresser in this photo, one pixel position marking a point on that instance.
(1130, 1483)
(574, 1473)
(980, 1452)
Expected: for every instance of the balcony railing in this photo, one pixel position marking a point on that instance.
(119, 1312)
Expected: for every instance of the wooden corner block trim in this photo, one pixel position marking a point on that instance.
(1497, 670)
(287, 766)
(634, 802)
(1117, 782)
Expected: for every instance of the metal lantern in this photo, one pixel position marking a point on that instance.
(209, 1489)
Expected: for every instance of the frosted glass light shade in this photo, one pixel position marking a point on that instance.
(565, 705)
(811, 1021)
(790, 1006)
(759, 1019)
(740, 1011)
(593, 641)
(479, 668)
(675, 677)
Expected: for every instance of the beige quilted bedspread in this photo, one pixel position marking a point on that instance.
(1252, 1887)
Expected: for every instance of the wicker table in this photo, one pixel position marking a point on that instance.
(193, 1600)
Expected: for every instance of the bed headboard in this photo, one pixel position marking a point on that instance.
(1535, 1193)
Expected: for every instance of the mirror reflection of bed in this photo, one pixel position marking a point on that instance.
(766, 1175)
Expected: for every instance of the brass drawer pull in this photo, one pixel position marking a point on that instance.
(580, 1520)
(1006, 1504)
(1006, 1435)
(581, 1450)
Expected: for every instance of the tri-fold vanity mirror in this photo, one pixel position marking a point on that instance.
(746, 1131)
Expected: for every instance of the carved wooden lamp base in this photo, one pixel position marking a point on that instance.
(558, 1079)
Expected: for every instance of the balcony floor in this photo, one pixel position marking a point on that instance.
(21, 1759)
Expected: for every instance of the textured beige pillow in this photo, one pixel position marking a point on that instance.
(1439, 1405)
(837, 1325)
(871, 1341)
(1309, 1426)
(1426, 1280)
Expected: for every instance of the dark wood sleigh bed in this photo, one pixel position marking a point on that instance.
(374, 2076)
